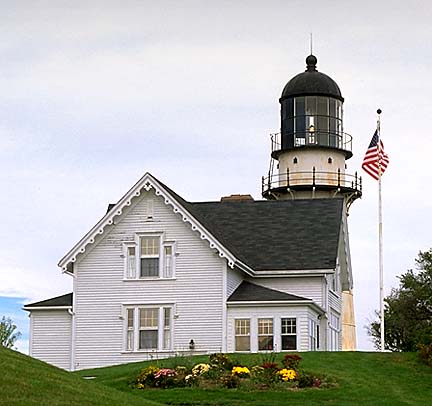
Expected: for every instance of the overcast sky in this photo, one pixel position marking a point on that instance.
(94, 94)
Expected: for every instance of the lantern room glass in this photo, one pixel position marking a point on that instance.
(312, 120)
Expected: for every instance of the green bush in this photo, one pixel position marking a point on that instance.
(425, 353)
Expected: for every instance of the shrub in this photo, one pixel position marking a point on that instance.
(146, 377)
(425, 353)
(230, 381)
(308, 380)
(221, 361)
(291, 361)
(200, 369)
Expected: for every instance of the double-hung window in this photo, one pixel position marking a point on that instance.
(149, 256)
(288, 334)
(242, 334)
(265, 334)
(148, 328)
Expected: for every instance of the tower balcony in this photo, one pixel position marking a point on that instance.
(314, 137)
(313, 180)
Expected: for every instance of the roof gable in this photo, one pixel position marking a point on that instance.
(179, 205)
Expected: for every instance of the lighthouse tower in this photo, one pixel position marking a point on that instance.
(309, 154)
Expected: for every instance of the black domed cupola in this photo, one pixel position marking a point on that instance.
(309, 154)
(311, 111)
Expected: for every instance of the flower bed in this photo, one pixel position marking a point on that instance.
(221, 371)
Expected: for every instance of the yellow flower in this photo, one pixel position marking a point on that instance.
(200, 369)
(240, 371)
(287, 374)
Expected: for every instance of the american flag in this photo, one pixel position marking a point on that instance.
(376, 160)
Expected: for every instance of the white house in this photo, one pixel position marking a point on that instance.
(158, 275)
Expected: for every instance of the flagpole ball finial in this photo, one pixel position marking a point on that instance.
(379, 111)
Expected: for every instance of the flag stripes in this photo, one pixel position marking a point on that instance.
(376, 160)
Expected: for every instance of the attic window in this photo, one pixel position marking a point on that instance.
(295, 160)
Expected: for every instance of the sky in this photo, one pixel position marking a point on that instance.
(94, 94)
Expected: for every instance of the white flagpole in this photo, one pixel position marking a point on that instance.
(380, 233)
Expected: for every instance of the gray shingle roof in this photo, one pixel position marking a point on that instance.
(248, 291)
(276, 235)
(64, 300)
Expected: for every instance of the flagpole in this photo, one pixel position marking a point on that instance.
(380, 234)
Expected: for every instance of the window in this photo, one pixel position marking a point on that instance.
(130, 261)
(148, 328)
(130, 330)
(265, 334)
(168, 260)
(288, 334)
(149, 256)
(334, 332)
(242, 334)
(312, 335)
(167, 328)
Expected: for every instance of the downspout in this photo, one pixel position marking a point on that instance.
(73, 332)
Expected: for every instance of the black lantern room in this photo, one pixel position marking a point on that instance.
(311, 112)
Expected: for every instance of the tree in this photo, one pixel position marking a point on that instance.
(8, 333)
(408, 310)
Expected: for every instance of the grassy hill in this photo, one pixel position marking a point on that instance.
(26, 381)
(362, 378)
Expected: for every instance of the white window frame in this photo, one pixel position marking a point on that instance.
(312, 333)
(129, 273)
(265, 335)
(242, 334)
(168, 262)
(139, 237)
(334, 331)
(162, 263)
(162, 328)
(288, 334)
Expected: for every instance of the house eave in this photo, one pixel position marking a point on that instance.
(292, 272)
(278, 303)
(46, 308)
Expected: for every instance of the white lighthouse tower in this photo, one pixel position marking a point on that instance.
(309, 154)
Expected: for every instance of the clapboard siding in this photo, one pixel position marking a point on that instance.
(101, 292)
(335, 301)
(51, 336)
(310, 288)
(234, 278)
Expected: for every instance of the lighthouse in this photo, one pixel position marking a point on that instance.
(309, 158)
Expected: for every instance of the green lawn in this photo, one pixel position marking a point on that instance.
(362, 378)
(26, 381)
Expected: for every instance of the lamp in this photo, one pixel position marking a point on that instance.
(191, 345)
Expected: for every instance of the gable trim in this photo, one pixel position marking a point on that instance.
(146, 183)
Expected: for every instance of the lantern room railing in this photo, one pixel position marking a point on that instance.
(313, 178)
(317, 138)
